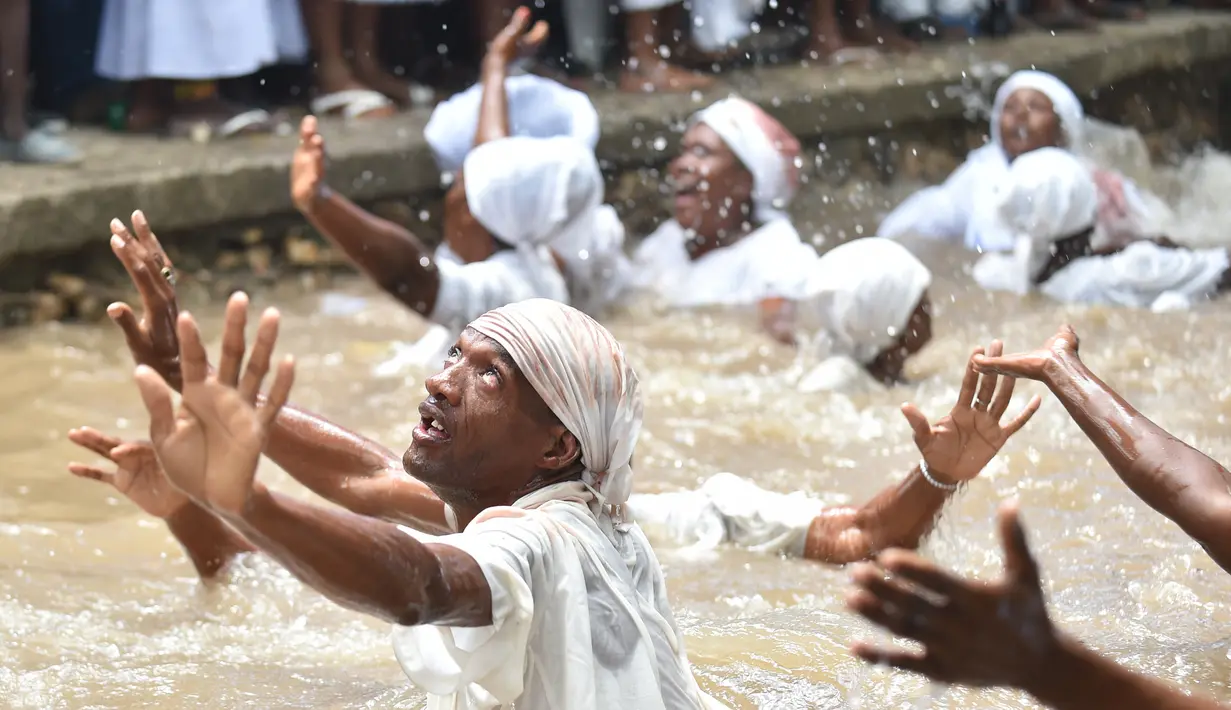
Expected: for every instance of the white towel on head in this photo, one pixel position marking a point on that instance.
(538, 108)
(858, 297)
(766, 148)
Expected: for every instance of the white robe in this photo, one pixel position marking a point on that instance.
(727, 509)
(572, 628)
(467, 291)
(768, 263)
(197, 39)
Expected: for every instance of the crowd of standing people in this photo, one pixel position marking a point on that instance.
(506, 544)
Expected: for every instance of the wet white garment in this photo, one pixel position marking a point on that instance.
(727, 509)
(770, 262)
(958, 208)
(549, 191)
(467, 291)
(720, 24)
(195, 40)
(1050, 195)
(914, 10)
(765, 147)
(857, 298)
(537, 107)
(580, 617)
(1143, 275)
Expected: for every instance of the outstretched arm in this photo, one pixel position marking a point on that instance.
(1173, 478)
(210, 543)
(512, 42)
(339, 465)
(954, 451)
(989, 634)
(210, 449)
(389, 254)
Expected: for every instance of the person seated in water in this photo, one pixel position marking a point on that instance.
(728, 509)
(729, 242)
(547, 595)
(514, 197)
(589, 250)
(1032, 110)
(861, 311)
(1047, 205)
(987, 634)
(1183, 484)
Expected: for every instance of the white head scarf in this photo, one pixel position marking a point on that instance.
(538, 108)
(766, 148)
(1047, 195)
(1063, 101)
(860, 296)
(579, 369)
(529, 191)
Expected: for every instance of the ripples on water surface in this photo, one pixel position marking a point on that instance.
(100, 609)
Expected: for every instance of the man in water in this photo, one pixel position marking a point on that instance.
(369, 479)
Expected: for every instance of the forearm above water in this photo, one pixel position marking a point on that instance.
(390, 255)
(1173, 478)
(209, 543)
(1077, 678)
(899, 516)
(352, 471)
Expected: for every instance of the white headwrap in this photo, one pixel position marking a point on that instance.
(538, 108)
(766, 148)
(529, 191)
(1047, 195)
(860, 296)
(1064, 103)
(579, 369)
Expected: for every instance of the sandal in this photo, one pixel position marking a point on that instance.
(351, 103)
(203, 129)
(40, 147)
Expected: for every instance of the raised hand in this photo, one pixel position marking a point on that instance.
(210, 447)
(514, 41)
(959, 445)
(152, 339)
(138, 475)
(308, 166)
(1032, 365)
(974, 633)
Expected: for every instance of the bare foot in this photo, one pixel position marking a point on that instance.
(661, 76)
(825, 45)
(880, 34)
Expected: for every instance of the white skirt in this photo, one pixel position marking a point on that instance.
(197, 39)
(643, 5)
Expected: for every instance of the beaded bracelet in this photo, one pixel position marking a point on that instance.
(923, 468)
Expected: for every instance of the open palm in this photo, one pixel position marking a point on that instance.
(962, 443)
(138, 475)
(210, 447)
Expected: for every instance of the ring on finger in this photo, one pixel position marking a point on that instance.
(169, 274)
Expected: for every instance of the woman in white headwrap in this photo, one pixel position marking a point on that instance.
(1047, 207)
(730, 241)
(550, 596)
(862, 310)
(1032, 110)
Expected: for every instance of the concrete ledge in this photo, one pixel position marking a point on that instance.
(185, 186)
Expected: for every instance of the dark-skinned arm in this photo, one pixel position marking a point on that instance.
(210, 543)
(1077, 678)
(1173, 478)
(494, 104)
(368, 565)
(386, 252)
(899, 516)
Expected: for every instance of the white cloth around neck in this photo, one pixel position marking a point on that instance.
(859, 296)
(537, 108)
(764, 146)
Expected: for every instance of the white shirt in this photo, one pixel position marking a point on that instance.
(467, 291)
(768, 263)
(572, 628)
(1143, 275)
